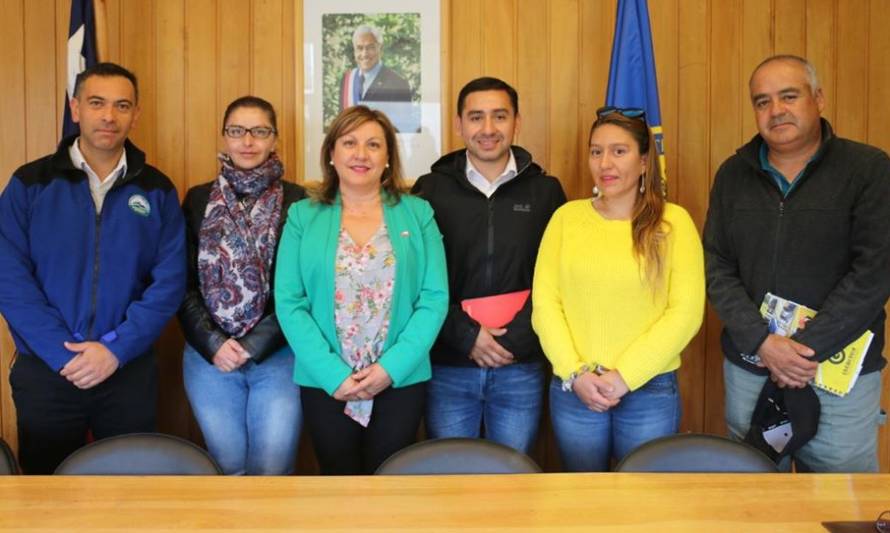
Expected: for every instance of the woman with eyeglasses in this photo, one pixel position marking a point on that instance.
(619, 290)
(361, 294)
(237, 366)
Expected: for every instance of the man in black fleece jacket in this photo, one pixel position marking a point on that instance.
(492, 204)
(805, 215)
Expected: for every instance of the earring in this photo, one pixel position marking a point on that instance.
(596, 191)
(642, 183)
(331, 162)
(387, 165)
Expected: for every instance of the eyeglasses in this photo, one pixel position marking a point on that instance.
(629, 112)
(257, 132)
(882, 524)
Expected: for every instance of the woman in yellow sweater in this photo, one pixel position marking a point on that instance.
(619, 291)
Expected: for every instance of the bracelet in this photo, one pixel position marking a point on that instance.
(569, 382)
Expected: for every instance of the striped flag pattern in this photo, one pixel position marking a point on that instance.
(81, 54)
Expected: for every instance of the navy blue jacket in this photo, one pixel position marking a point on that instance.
(69, 274)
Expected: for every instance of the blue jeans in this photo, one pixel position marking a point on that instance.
(588, 440)
(250, 417)
(847, 438)
(506, 401)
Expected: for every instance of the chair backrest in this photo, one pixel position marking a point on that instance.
(695, 452)
(144, 454)
(8, 464)
(458, 456)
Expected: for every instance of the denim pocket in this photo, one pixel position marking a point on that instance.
(662, 384)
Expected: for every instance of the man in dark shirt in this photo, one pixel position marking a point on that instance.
(492, 204)
(805, 215)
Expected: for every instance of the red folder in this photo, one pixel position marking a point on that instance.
(495, 311)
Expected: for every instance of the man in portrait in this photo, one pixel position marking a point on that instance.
(371, 81)
(375, 85)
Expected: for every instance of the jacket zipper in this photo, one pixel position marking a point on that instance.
(121, 180)
(489, 264)
(95, 286)
(776, 246)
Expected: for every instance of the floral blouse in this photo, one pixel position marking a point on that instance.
(363, 282)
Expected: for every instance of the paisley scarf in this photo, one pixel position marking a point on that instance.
(237, 243)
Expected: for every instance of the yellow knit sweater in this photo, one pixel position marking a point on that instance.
(591, 304)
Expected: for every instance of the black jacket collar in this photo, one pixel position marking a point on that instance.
(61, 160)
(455, 163)
(750, 152)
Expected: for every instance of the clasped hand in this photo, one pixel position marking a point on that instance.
(230, 356)
(600, 392)
(788, 361)
(363, 384)
(92, 365)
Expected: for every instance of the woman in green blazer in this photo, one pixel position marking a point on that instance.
(361, 292)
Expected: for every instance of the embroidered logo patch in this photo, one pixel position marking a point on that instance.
(139, 204)
(522, 208)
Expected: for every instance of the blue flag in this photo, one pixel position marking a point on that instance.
(81, 53)
(632, 81)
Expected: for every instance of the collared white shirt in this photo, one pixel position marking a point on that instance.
(488, 187)
(98, 187)
(370, 76)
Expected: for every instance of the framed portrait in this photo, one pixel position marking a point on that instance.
(384, 54)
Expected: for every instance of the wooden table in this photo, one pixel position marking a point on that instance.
(540, 502)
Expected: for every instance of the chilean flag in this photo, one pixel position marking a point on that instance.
(81, 53)
(350, 90)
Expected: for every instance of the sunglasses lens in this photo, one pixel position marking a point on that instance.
(629, 112)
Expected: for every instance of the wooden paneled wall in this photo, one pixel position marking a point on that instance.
(193, 57)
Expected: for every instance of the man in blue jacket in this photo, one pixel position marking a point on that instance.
(93, 261)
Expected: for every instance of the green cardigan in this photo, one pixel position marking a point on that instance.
(304, 291)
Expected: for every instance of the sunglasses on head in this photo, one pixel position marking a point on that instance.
(629, 112)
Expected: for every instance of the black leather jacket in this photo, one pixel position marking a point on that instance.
(200, 330)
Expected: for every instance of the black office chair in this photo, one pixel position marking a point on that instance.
(696, 452)
(8, 464)
(457, 456)
(139, 454)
